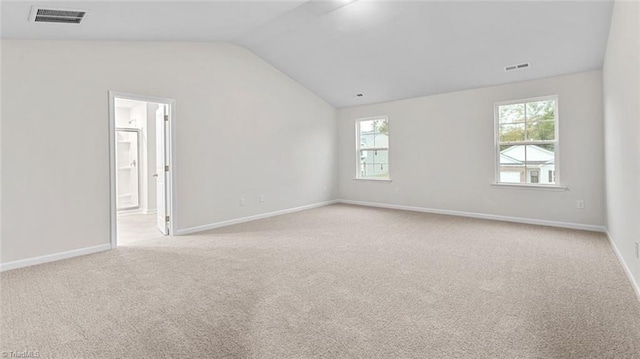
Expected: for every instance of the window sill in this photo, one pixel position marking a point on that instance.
(373, 179)
(530, 186)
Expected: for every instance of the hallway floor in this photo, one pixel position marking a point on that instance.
(133, 228)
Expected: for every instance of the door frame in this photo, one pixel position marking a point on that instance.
(170, 140)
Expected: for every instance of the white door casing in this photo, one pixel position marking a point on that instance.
(161, 163)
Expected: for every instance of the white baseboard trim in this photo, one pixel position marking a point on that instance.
(230, 222)
(494, 217)
(627, 270)
(53, 257)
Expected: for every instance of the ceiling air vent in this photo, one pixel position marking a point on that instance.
(60, 16)
(517, 67)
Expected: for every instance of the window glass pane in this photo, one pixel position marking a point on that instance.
(366, 126)
(381, 126)
(549, 147)
(541, 110)
(512, 167)
(527, 164)
(374, 163)
(374, 134)
(367, 140)
(511, 113)
(512, 132)
(540, 160)
(541, 130)
(381, 140)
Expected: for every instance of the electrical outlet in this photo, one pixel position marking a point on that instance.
(261, 198)
(580, 204)
(242, 203)
(397, 191)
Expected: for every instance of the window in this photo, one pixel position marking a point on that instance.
(372, 148)
(535, 176)
(527, 141)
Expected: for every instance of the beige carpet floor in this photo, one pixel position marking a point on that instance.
(334, 282)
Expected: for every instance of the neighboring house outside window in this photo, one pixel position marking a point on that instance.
(527, 141)
(372, 148)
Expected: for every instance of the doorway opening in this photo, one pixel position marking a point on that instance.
(141, 167)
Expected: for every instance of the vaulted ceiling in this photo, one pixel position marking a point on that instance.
(385, 50)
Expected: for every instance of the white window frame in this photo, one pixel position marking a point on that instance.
(555, 142)
(388, 149)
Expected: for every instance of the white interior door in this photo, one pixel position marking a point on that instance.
(161, 163)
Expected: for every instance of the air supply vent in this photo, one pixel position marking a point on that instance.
(517, 67)
(59, 16)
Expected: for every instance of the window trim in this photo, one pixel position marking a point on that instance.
(556, 142)
(357, 153)
(519, 186)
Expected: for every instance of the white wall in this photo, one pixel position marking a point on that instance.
(443, 155)
(621, 78)
(243, 129)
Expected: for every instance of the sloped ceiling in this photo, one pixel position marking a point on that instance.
(386, 50)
